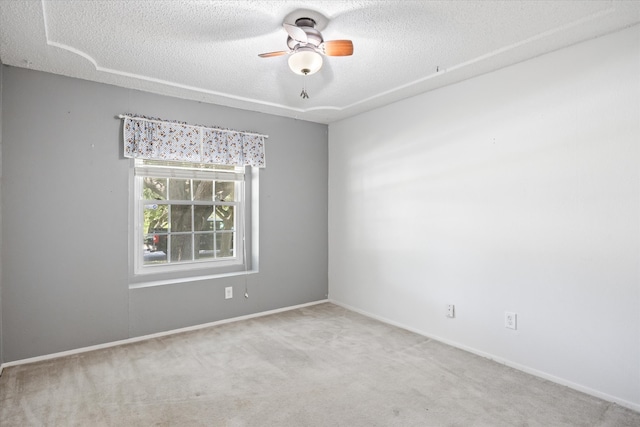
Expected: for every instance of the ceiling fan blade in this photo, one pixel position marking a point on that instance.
(272, 54)
(295, 33)
(338, 47)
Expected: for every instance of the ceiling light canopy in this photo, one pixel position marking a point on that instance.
(305, 61)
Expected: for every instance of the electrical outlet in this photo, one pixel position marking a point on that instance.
(451, 310)
(510, 320)
(228, 292)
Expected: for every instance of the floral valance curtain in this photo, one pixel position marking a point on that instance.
(157, 139)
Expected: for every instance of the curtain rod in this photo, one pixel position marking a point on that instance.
(123, 116)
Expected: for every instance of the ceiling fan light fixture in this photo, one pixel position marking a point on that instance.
(305, 61)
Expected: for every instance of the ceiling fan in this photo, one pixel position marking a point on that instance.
(306, 47)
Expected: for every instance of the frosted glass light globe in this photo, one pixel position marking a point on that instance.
(305, 62)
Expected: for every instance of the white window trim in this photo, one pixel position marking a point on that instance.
(246, 259)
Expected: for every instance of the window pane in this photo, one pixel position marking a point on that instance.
(150, 255)
(181, 248)
(225, 191)
(155, 239)
(225, 218)
(155, 226)
(204, 245)
(224, 245)
(179, 189)
(180, 218)
(154, 188)
(203, 218)
(203, 190)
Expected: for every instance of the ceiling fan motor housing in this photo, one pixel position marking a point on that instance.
(314, 37)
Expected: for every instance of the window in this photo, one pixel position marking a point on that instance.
(194, 200)
(190, 217)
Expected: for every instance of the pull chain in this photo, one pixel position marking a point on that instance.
(304, 94)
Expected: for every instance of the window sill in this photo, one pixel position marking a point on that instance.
(181, 280)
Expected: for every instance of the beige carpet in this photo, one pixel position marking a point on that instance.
(316, 366)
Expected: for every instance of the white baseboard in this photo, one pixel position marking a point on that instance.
(150, 336)
(514, 365)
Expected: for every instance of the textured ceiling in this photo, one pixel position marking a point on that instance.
(208, 50)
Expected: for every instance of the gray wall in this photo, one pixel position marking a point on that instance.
(65, 206)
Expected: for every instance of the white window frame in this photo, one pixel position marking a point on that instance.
(241, 262)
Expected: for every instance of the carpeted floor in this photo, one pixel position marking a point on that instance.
(316, 366)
